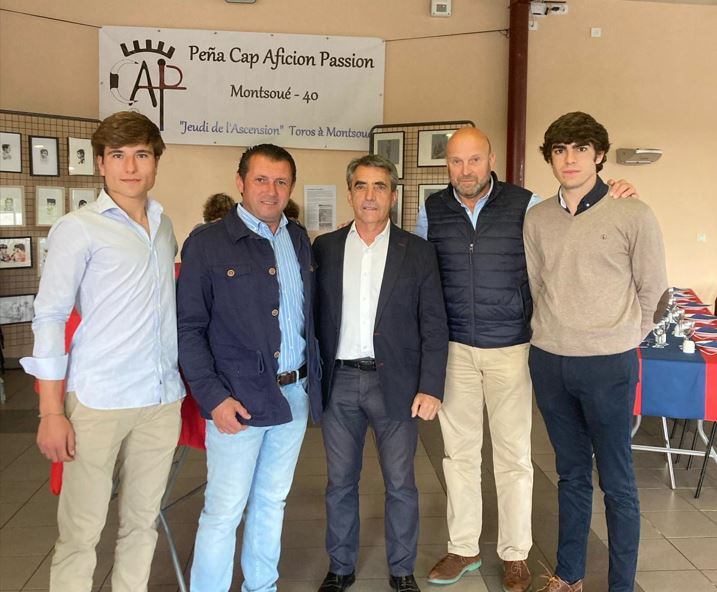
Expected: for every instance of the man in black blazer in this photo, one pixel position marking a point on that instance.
(382, 330)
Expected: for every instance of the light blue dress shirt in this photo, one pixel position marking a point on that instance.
(124, 353)
(422, 220)
(292, 353)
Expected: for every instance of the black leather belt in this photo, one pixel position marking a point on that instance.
(366, 364)
(291, 377)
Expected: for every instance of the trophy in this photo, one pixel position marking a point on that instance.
(660, 333)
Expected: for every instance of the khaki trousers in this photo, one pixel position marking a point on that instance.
(499, 380)
(144, 440)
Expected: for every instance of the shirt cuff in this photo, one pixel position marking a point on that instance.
(46, 368)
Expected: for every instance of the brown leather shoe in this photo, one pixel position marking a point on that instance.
(516, 576)
(450, 569)
(556, 584)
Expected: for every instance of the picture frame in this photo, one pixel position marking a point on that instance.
(432, 146)
(80, 197)
(44, 156)
(49, 205)
(15, 252)
(397, 208)
(16, 309)
(12, 206)
(10, 152)
(41, 254)
(427, 189)
(80, 159)
(390, 146)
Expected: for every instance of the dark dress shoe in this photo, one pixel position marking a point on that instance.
(404, 583)
(336, 583)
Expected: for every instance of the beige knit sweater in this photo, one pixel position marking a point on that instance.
(596, 278)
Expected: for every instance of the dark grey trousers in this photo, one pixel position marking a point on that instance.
(356, 403)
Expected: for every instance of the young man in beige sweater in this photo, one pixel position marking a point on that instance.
(597, 271)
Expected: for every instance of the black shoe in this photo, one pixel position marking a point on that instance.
(336, 583)
(404, 583)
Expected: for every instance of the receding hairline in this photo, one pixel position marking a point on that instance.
(469, 133)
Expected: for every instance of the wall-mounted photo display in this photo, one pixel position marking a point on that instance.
(80, 197)
(432, 147)
(44, 156)
(425, 190)
(79, 157)
(390, 146)
(10, 152)
(397, 208)
(15, 252)
(41, 254)
(16, 309)
(12, 206)
(49, 205)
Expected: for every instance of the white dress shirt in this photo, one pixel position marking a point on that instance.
(363, 274)
(124, 353)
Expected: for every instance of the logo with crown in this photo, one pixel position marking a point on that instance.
(144, 69)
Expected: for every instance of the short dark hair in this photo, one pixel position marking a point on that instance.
(272, 152)
(19, 246)
(217, 206)
(579, 128)
(375, 161)
(127, 128)
(292, 210)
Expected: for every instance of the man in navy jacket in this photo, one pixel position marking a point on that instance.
(247, 349)
(384, 343)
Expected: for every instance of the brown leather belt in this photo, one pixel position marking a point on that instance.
(365, 364)
(291, 376)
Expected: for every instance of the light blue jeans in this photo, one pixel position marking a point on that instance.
(252, 469)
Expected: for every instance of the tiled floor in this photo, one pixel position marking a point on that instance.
(679, 534)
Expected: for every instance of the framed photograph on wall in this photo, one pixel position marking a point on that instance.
(49, 205)
(397, 208)
(12, 206)
(44, 156)
(80, 197)
(11, 152)
(79, 157)
(15, 252)
(390, 146)
(16, 309)
(425, 190)
(432, 147)
(41, 254)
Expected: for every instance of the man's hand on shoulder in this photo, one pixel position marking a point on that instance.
(425, 406)
(621, 188)
(56, 438)
(224, 416)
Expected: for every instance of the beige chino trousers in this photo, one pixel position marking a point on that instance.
(499, 380)
(144, 440)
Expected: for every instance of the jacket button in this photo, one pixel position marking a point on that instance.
(276, 355)
(275, 312)
(231, 273)
(272, 271)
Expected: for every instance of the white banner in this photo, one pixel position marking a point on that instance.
(239, 89)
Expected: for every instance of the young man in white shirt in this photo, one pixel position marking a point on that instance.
(118, 391)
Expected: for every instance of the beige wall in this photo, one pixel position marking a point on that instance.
(649, 79)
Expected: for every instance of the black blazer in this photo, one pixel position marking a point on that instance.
(411, 333)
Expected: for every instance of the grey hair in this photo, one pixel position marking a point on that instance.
(375, 161)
